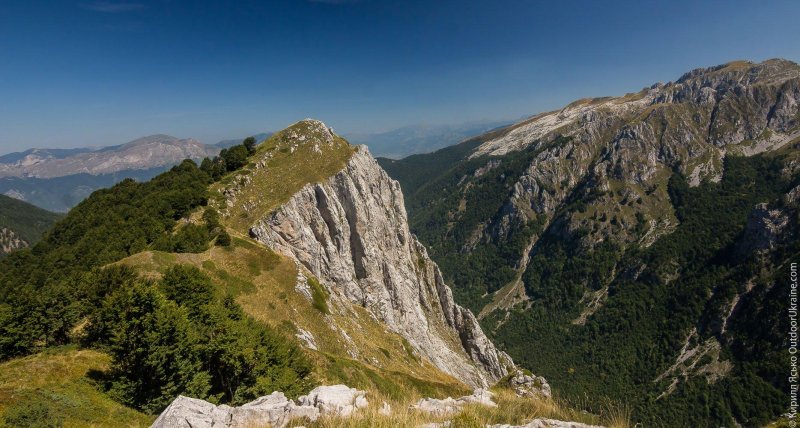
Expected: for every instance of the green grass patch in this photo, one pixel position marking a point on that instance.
(319, 296)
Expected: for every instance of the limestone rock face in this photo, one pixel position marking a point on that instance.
(764, 229)
(692, 124)
(351, 232)
(10, 241)
(335, 400)
(273, 410)
(598, 169)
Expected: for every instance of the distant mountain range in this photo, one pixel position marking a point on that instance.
(142, 153)
(58, 179)
(401, 142)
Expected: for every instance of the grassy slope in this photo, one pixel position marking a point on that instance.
(27, 221)
(264, 284)
(59, 378)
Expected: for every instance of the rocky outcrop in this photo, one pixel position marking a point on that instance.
(451, 406)
(764, 230)
(351, 232)
(335, 400)
(273, 410)
(528, 385)
(10, 241)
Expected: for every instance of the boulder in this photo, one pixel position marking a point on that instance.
(273, 410)
(450, 406)
(185, 412)
(338, 400)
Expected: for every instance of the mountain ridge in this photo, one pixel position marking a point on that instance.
(549, 227)
(72, 174)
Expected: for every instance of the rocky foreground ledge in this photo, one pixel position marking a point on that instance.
(275, 410)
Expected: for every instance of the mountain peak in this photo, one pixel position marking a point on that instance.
(308, 131)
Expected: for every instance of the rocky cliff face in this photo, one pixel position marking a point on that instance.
(626, 146)
(351, 232)
(10, 241)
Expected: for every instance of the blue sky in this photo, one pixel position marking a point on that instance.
(77, 73)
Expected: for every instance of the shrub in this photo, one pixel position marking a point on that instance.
(223, 239)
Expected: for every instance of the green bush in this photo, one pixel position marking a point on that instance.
(223, 239)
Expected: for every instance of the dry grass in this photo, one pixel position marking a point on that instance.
(510, 410)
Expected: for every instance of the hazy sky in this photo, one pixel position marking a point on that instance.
(77, 73)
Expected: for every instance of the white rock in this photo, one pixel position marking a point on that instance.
(529, 385)
(307, 338)
(272, 410)
(185, 412)
(338, 400)
(450, 406)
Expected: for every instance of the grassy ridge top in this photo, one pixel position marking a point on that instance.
(306, 152)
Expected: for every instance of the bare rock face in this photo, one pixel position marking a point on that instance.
(764, 229)
(351, 232)
(273, 410)
(636, 140)
(335, 400)
(10, 241)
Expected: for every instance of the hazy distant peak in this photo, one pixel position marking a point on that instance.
(142, 153)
